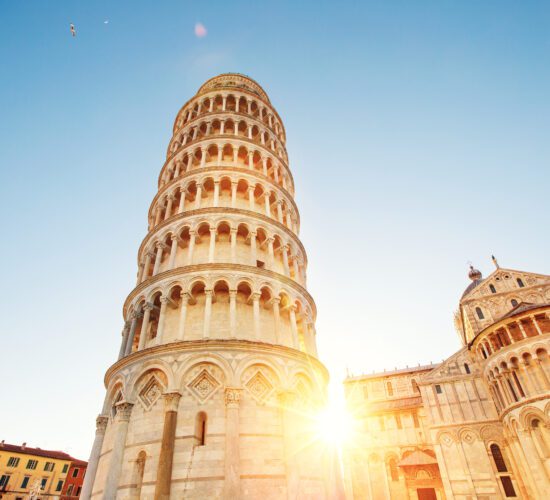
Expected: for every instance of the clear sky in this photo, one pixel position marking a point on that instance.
(418, 135)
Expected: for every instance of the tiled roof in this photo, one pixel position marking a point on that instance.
(522, 307)
(471, 286)
(60, 455)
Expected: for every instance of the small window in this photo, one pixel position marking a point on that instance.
(467, 368)
(498, 458)
(260, 264)
(65, 468)
(415, 420)
(438, 389)
(59, 485)
(514, 302)
(49, 466)
(13, 462)
(389, 388)
(75, 472)
(479, 313)
(43, 483)
(31, 464)
(398, 422)
(25, 482)
(415, 387)
(508, 486)
(520, 282)
(4, 480)
(70, 490)
(200, 428)
(492, 288)
(77, 493)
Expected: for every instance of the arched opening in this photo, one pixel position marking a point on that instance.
(498, 458)
(492, 288)
(200, 429)
(520, 283)
(479, 313)
(415, 387)
(394, 471)
(389, 388)
(514, 302)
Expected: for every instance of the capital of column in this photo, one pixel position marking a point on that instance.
(161, 245)
(232, 293)
(232, 397)
(255, 295)
(186, 296)
(101, 423)
(208, 292)
(175, 237)
(171, 401)
(123, 411)
(164, 299)
(275, 300)
(148, 306)
(233, 230)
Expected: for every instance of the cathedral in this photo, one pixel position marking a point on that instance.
(218, 382)
(475, 426)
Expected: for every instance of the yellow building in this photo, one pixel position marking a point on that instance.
(28, 471)
(474, 426)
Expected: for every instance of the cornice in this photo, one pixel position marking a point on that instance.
(184, 270)
(222, 210)
(210, 345)
(225, 168)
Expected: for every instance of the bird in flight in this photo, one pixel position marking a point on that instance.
(73, 31)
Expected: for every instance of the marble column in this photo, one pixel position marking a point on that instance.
(183, 315)
(233, 313)
(233, 245)
(100, 427)
(256, 311)
(294, 327)
(147, 308)
(212, 246)
(191, 248)
(122, 418)
(125, 336)
(166, 457)
(277, 318)
(253, 250)
(173, 250)
(133, 327)
(207, 313)
(162, 315)
(232, 450)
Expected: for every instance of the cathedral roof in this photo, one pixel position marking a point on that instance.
(471, 286)
(417, 457)
(522, 307)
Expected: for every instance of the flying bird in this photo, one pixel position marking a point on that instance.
(73, 31)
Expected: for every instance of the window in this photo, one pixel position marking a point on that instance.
(75, 472)
(466, 368)
(498, 458)
(398, 421)
(200, 428)
(65, 468)
(77, 493)
(31, 464)
(43, 483)
(479, 313)
(49, 466)
(508, 486)
(4, 480)
(520, 282)
(59, 485)
(70, 490)
(394, 471)
(389, 388)
(13, 462)
(260, 264)
(415, 420)
(415, 387)
(25, 482)
(492, 288)
(514, 302)
(438, 389)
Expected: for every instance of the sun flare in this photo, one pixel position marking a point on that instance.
(334, 425)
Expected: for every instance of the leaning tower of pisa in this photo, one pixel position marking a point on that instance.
(217, 376)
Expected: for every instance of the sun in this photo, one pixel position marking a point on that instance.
(334, 425)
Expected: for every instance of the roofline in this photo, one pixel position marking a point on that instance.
(383, 374)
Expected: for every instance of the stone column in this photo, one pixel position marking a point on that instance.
(207, 313)
(183, 315)
(192, 235)
(256, 309)
(267, 206)
(173, 250)
(216, 193)
(220, 152)
(198, 197)
(212, 247)
(251, 155)
(264, 162)
(253, 250)
(89, 478)
(251, 201)
(232, 451)
(535, 466)
(297, 276)
(287, 400)
(224, 102)
(233, 313)
(158, 258)
(222, 127)
(181, 207)
(133, 327)
(294, 327)
(203, 157)
(166, 457)
(284, 251)
(125, 333)
(124, 410)
(270, 241)
(280, 211)
(233, 232)
(169, 207)
(160, 330)
(146, 267)
(233, 194)
(543, 374)
(157, 215)
(144, 326)
(277, 318)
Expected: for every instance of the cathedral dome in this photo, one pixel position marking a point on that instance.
(476, 277)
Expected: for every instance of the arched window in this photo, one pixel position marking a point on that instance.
(466, 368)
(492, 288)
(479, 313)
(415, 387)
(514, 302)
(200, 429)
(394, 471)
(498, 458)
(520, 282)
(389, 388)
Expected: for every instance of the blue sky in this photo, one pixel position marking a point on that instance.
(417, 134)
